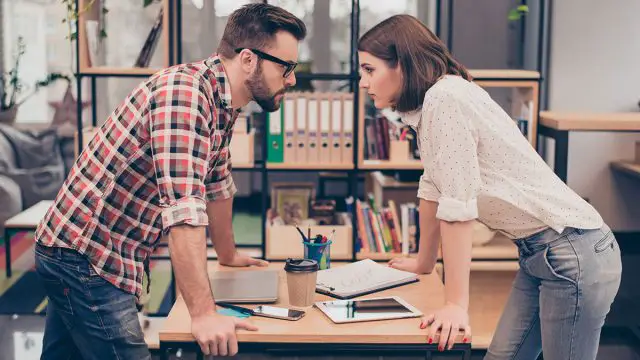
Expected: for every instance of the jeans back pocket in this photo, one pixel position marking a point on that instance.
(607, 242)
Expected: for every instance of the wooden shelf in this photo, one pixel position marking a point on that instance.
(329, 166)
(591, 121)
(116, 71)
(500, 74)
(379, 256)
(627, 167)
(386, 165)
(243, 166)
(500, 248)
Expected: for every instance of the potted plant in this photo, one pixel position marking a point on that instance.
(12, 88)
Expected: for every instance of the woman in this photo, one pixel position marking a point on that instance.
(478, 166)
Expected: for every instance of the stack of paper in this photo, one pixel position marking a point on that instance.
(360, 278)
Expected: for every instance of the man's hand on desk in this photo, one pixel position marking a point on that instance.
(451, 319)
(240, 260)
(408, 264)
(216, 334)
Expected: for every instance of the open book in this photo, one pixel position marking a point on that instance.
(360, 278)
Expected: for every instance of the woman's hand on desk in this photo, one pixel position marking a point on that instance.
(240, 260)
(409, 264)
(216, 334)
(451, 318)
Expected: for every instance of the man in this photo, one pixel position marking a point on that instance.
(160, 166)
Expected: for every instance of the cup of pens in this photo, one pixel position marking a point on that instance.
(318, 247)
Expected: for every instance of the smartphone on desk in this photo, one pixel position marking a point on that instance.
(278, 312)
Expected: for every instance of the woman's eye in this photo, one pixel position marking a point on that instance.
(368, 70)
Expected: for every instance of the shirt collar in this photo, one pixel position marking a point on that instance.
(412, 118)
(222, 83)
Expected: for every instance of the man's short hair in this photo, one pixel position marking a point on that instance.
(254, 26)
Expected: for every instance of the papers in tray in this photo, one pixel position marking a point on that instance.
(360, 278)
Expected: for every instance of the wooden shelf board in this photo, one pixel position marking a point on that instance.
(629, 121)
(243, 166)
(385, 164)
(379, 256)
(105, 70)
(389, 182)
(301, 166)
(504, 74)
(500, 248)
(627, 167)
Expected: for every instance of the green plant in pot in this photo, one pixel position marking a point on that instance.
(13, 92)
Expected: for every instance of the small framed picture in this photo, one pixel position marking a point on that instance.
(291, 201)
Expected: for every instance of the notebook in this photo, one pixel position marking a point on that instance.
(361, 278)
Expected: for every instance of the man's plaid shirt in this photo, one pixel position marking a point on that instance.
(156, 161)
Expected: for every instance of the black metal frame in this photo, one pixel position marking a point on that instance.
(561, 137)
(460, 351)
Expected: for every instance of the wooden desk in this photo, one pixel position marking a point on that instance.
(316, 334)
(27, 220)
(558, 124)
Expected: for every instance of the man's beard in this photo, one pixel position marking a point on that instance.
(260, 92)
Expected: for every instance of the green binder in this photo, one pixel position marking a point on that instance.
(275, 136)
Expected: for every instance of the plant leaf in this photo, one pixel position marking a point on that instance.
(523, 8)
(147, 3)
(103, 33)
(513, 15)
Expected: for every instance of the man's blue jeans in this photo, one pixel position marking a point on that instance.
(87, 317)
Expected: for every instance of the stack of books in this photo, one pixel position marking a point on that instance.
(381, 230)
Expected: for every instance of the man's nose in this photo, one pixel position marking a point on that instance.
(290, 80)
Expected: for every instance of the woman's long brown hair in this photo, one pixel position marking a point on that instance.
(423, 58)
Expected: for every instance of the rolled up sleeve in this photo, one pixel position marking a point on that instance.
(180, 146)
(453, 146)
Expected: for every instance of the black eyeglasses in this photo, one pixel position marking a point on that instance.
(289, 66)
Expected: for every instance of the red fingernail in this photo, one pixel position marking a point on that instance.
(464, 340)
(440, 348)
(422, 326)
(430, 340)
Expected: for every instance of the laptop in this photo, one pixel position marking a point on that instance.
(248, 286)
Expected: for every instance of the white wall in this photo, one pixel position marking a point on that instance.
(595, 67)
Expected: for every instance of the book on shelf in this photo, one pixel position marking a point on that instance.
(380, 130)
(383, 230)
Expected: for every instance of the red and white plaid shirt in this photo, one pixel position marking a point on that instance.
(156, 161)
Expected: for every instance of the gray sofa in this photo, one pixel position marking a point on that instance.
(32, 168)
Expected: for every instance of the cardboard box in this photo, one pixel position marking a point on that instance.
(284, 241)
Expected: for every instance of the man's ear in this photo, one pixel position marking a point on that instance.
(248, 61)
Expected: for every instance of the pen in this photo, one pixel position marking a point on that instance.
(301, 233)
